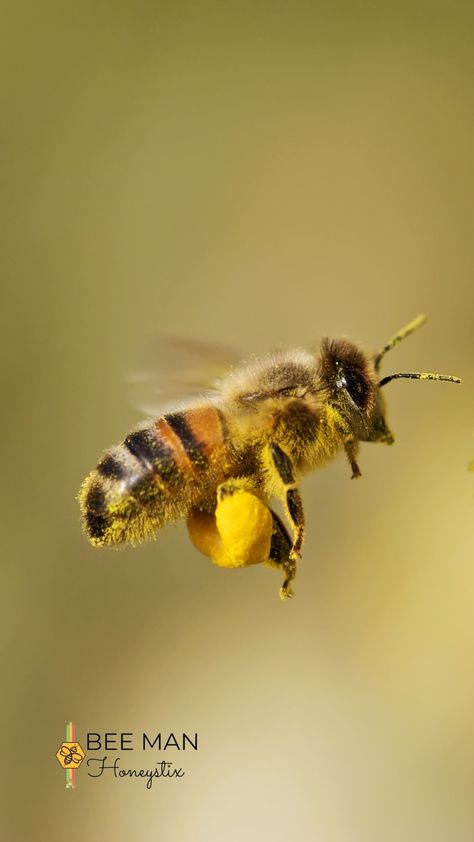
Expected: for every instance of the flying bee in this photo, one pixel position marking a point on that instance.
(70, 755)
(219, 461)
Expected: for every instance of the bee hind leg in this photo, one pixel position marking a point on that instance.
(238, 532)
(291, 497)
(280, 555)
(243, 531)
(260, 534)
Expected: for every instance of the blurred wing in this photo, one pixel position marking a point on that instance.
(176, 370)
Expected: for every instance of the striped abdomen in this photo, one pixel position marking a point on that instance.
(154, 476)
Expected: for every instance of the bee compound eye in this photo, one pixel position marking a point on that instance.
(356, 386)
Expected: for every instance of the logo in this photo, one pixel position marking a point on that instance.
(70, 756)
(107, 754)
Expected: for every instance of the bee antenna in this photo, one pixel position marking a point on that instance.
(420, 375)
(402, 334)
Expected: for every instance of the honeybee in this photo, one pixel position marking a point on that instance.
(220, 460)
(70, 755)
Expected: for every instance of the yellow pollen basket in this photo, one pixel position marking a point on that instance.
(238, 534)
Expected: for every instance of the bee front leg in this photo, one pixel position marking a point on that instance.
(292, 497)
(352, 449)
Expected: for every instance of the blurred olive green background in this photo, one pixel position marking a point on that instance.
(259, 174)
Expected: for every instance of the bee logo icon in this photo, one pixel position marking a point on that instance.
(70, 755)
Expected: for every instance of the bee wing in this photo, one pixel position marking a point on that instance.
(177, 369)
(64, 751)
(76, 757)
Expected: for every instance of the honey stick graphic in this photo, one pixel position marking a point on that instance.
(70, 773)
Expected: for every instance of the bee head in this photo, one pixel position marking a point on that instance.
(348, 376)
(351, 379)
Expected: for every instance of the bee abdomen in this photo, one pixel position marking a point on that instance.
(152, 457)
(152, 477)
(136, 488)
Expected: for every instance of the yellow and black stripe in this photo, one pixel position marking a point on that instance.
(154, 476)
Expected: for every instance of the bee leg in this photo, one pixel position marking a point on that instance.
(243, 531)
(239, 532)
(292, 498)
(252, 532)
(352, 449)
(279, 556)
